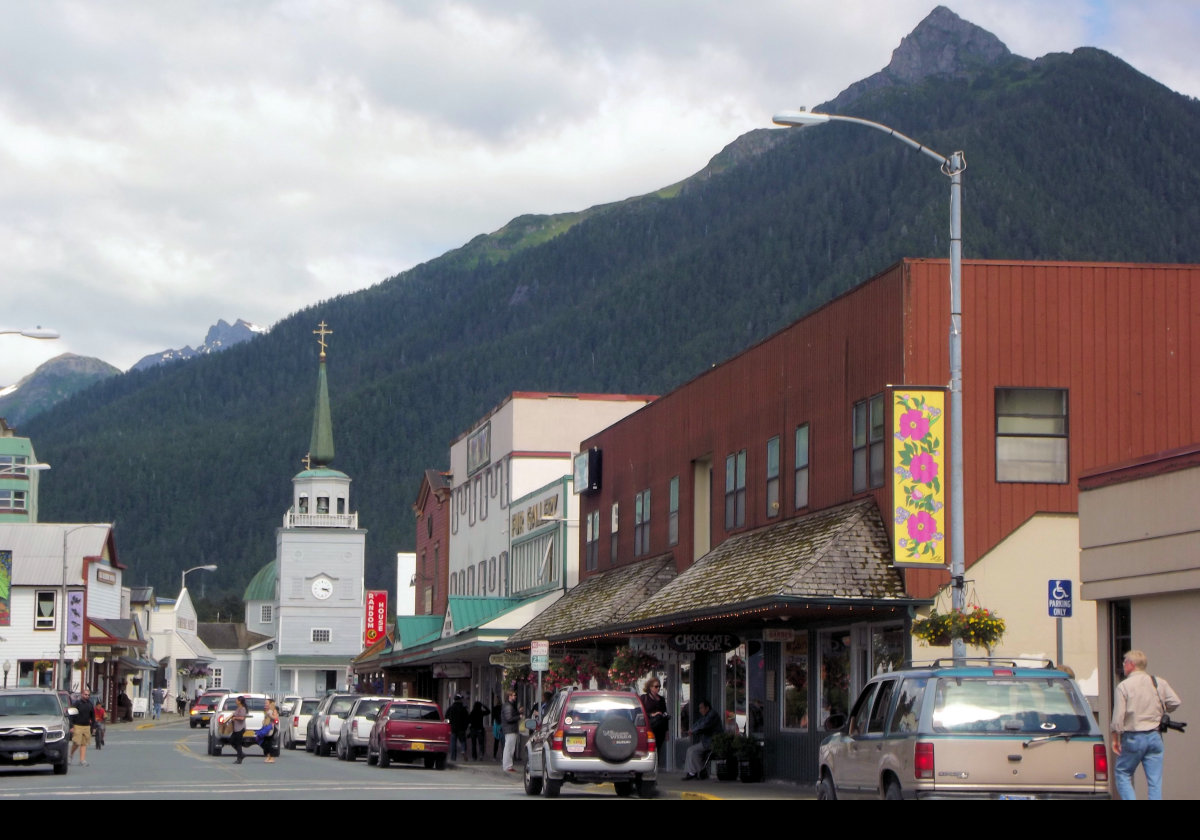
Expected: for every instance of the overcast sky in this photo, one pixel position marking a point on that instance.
(164, 165)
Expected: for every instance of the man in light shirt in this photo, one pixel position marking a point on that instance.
(1141, 701)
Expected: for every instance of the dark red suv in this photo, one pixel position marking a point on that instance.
(202, 709)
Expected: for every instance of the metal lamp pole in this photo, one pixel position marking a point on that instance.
(209, 567)
(952, 166)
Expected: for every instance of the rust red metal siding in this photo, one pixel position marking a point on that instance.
(1120, 338)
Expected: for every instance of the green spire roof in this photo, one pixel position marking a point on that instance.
(320, 449)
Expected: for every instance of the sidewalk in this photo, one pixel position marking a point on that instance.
(670, 784)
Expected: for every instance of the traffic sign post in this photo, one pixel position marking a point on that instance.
(1058, 604)
(539, 660)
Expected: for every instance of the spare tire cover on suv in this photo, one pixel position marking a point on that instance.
(616, 738)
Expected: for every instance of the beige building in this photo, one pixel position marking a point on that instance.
(1139, 535)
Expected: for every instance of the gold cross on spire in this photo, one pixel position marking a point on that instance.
(321, 332)
(307, 461)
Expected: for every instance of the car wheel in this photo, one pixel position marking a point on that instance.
(623, 788)
(193, 724)
(430, 762)
(532, 786)
(551, 787)
(340, 751)
(372, 759)
(351, 753)
(385, 758)
(291, 744)
(647, 789)
(323, 748)
(826, 792)
(214, 748)
(892, 790)
(616, 738)
(60, 769)
(440, 762)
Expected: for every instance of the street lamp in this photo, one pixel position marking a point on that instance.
(952, 167)
(7, 668)
(183, 577)
(36, 332)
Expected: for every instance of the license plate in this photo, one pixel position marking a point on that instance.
(418, 747)
(576, 743)
(1015, 796)
(21, 756)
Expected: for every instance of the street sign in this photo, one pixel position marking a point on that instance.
(1058, 598)
(539, 655)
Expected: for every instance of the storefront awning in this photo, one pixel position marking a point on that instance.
(599, 601)
(131, 663)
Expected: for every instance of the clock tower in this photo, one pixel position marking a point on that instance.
(320, 561)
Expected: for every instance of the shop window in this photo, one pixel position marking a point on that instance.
(29, 675)
(868, 443)
(641, 523)
(735, 490)
(801, 466)
(321, 635)
(1120, 628)
(1031, 435)
(673, 513)
(592, 549)
(795, 683)
(773, 477)
(44, 615)
(834, 688)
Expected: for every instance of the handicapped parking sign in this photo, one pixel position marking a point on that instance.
(1058, 600)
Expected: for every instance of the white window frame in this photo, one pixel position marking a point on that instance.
(315, 632)
(266, 614)
(49, 622)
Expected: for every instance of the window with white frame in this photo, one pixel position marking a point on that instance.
(612, 557)
(266, 614)
(44, 610)
(321, 635)
(773, 504)
(218, 678)
(592, 550)
(735, 490)
(641, 523)
(1031, 435)
(673, 513)
(802, 466)
(868, 435)
(12, 500)
(12, 465)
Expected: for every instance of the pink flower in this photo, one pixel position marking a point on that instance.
(914, 424)
(923, 468)
(921, 526)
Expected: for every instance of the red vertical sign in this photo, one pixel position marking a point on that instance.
(376, 624)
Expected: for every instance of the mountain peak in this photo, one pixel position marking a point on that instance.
(943, 44)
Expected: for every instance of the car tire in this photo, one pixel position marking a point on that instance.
(616, 738)
(623, 788)
(291, 744)
(440, 762)
(648, 789)
(340, 751)
(891, 790)
(532, 786)
(323, 748)
(551, 788)
(193, 723)
(61, 768)
(372, 759)
(351, 753)
(385, 758)
(214, 748)
(430, 762)
(826, 792)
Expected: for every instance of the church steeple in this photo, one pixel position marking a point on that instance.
(320, 449)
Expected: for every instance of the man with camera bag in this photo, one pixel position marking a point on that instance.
(1140, 711)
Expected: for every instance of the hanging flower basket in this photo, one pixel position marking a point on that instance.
(628, 667)
(977, 626)
(198, 671)
(43, 665)
(80, 664)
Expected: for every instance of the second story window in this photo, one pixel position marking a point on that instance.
(868, 443)
(265, 614)
(735, 490)
(612, 557)
(321, 635)
(673, 513)
(1031, 435)
(12, 500)
(802, 466)
(43, 618)
(641, 523)
(592, 550)
(773, 477)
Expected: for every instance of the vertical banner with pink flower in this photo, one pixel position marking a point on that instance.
(918, 480)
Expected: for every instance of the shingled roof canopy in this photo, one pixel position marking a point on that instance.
(597, 602)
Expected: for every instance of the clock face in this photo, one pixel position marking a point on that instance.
(322, 588)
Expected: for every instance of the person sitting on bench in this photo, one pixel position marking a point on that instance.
(702, 731)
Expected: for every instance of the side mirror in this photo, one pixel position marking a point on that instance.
(531, 724)
(835, 722)
(72, 711)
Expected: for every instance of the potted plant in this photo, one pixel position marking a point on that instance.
(975, 626)
(80, 664)
(725, 756)
(750, 759)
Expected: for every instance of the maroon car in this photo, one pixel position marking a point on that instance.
(202, 709)
(409, 730)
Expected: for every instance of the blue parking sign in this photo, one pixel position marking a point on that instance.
(1058, 598)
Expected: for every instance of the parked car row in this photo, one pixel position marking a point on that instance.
(383, 729)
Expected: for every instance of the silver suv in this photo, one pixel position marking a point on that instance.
(589, 737)
(34, 729)
(983, 728)
(355, 733)
(326, 723)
